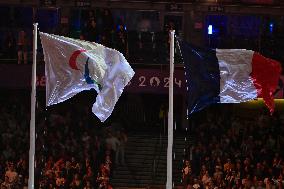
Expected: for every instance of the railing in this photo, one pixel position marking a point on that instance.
(157, 158)
(158, 147)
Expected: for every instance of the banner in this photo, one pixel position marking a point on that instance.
(151, 80)
(47, 3)
(144, 80)
(156, 81)
(82, 3)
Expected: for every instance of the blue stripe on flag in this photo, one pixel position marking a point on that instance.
(202, 75)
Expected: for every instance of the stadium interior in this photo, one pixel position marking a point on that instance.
(223, 146)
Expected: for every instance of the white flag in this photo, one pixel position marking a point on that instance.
(72, 66)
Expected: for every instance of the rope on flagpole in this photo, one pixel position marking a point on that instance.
(186, 140)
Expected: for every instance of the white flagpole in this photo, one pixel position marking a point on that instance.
(170, 115)
(32, 122)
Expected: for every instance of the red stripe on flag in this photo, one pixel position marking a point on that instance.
(265, 74)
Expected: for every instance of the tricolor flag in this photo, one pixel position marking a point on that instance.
(228, 76)
(72, 66)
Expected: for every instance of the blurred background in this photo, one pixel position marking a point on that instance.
(223, 146)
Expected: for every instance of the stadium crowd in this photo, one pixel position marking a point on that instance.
(71, 152)
(232, 152)
(97, 26)
(139, 46)
(17, 42)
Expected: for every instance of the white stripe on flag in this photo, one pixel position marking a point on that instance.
(235, 66)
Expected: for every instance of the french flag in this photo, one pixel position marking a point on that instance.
(228, 76)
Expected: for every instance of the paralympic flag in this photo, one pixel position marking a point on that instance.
(72, 66)
(228, 76)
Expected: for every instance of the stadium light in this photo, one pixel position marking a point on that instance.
(271, 26)
(210, 30)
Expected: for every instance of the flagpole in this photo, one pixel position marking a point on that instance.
(32, 122)
(170, 115)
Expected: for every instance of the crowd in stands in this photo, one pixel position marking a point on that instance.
(138, 46)
(17, 43)
(71, 151)
(232, 152)
(103, 30)
(100, 28)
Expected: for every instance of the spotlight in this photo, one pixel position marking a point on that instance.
(210, 30)
(271, 26)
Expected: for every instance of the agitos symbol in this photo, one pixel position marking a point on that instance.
(73, 65)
